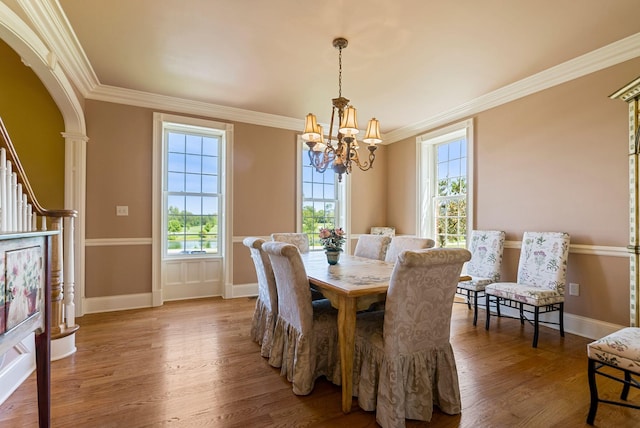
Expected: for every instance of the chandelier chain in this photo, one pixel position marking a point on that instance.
(340, 72)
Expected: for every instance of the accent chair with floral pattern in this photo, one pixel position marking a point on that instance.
(486, 248)
(403, 361)
(372, 246)
(264, 316)
(401, 243)
(300, 240)
(619, 350)
(305, 339)
(542, 272)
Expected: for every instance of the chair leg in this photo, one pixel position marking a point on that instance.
(536, 325)
(593, 390)
(475, 308)
(469, 299)
(521, 314)
(625, 388)
(487, 318)
(561, 320)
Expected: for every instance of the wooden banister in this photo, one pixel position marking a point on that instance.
(14, 189)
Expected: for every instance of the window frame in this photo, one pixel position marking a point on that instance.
(342, 214)
(169, 127)
(427, 181)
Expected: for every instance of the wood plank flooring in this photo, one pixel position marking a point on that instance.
(192, 364)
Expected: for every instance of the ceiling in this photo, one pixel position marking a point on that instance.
(408, 62)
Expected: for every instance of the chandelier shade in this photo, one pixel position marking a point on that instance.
(340, 153)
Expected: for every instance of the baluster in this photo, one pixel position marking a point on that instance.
(7, 180)
(14, 202)
(3, 189)
(18, 206)
(69, 276)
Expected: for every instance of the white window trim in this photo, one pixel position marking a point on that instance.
(225, 222)
(425, 179)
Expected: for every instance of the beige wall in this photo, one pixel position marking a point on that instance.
(264, 193)
(35, 124)
(557, 161)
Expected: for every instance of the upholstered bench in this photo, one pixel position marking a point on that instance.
(621, 351)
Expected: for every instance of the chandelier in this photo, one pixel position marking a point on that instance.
(340, 154)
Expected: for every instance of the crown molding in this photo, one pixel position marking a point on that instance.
(53, 26)
(180, 105)
(607, 56)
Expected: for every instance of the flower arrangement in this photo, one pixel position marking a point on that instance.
(332, 239)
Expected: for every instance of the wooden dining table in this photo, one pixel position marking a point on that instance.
(352, 285)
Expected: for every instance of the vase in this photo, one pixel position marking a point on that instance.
(332, 256)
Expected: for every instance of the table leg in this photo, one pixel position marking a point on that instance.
(346, 338)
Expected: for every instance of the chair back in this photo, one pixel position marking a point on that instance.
(420, 297)
(372, 246)
(401, 243)
(294, 293)
(486, 248)
(267, 291)
(300, 240)
(543, 260)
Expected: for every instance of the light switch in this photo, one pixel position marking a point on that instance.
(122, 210)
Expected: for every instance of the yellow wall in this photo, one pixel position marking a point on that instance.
(35, 124)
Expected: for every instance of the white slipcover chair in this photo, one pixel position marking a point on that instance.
(300, 240)
(404, 362)
(542, 272)
(486, 248)
(264, 316)
(305, 339)
(372, 246)
(401, 243)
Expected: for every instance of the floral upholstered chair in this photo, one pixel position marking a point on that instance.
(404, 362)
(542, 272)
(372, 246)
(400, 243)
(300, 240)
(619, 353)
(305, 339)
(486, 248)
(264, 316)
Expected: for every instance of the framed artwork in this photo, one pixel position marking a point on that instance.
(23, 282)
(387, 231)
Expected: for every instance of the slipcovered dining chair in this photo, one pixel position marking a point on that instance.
(300, 240)
(372, 246)
(401, 243)
(264, 316)
(486, 248)
(305, 339)
(539, 288)
(404, 362)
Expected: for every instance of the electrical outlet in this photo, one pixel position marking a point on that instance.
(574, 289)
(122, 210)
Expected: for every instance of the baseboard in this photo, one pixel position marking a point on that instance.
(117, 303)
(146, 300)
(573, 324)
(244, 290)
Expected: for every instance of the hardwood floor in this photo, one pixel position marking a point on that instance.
(192, 364)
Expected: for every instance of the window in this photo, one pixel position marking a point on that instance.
(445, 188)
(322, 200)
(192, 189)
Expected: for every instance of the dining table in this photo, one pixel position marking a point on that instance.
(351, 285)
